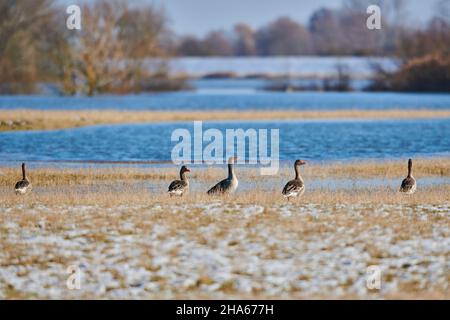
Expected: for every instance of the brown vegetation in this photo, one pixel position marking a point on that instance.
(430, 73)
(110, 47)
(26, 31)
(425, 74)
(104, 56)
(133, 241)
(111, 52)
(436, 167)
(172, 248)
(24, 119)
(111, 195)
(119, 185)
(425, 65)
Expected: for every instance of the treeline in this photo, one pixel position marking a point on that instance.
(104, 56)
(108, 54)
(423, 51)
(330, 32)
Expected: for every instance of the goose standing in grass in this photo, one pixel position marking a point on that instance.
(409, 183)
(229, 184)
(23, 186)
(295, 188)
(180, 187)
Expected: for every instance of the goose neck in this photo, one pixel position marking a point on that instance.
(297, 173)
(231, 171)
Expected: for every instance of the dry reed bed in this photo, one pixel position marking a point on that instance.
(112, 186)
(26, 119)
(437, 167)
(110, 197)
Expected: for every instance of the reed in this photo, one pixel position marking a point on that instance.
(392, 169)
(24, 119)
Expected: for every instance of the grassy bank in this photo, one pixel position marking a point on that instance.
(120, 185)
(24, 119)
(132, 241)
(382, 169)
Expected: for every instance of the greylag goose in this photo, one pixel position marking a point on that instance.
(180, 187)
(295, 188)
(229, 184)
(23, 186)
(409, 183)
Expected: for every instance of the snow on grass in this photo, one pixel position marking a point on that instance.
(224, 250)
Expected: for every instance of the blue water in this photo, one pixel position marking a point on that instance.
(211, 97)
(313, 140)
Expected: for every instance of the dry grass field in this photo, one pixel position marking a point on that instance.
(432, 167)
(130, 240)
(24, 119)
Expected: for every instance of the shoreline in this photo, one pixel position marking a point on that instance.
(30, 119)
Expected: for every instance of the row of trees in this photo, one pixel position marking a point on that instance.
(329, 32)
(104, 56)
(107, 55)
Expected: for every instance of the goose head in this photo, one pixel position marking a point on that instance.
(300, 163)
(184, 169)
(232, 160)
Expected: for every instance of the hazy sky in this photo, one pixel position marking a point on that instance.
(200, 16)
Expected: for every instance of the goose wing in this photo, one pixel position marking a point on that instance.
(23, 184)
(220, 187)
(407, 184)
(177, 186)
(22, 187)
(293, 188)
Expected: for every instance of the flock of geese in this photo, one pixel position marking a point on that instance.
(293, 189)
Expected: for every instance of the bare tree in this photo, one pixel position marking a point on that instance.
(191, 46)
(283, 37)
(216, 43)
(108, 52)
(324, 29)
(244, 43)
(23, 33)
(143, 29)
